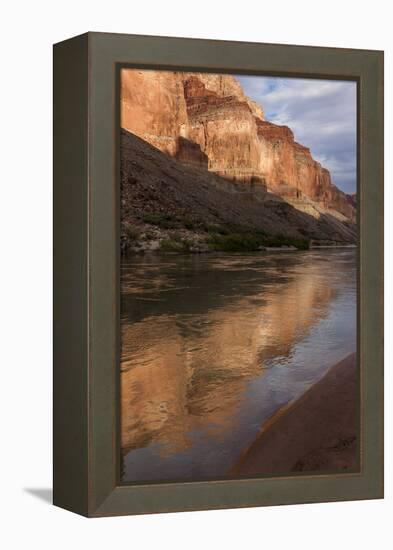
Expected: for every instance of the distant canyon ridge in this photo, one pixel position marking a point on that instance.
(206, 123)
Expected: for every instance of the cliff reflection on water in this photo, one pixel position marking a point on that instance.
(212, 345)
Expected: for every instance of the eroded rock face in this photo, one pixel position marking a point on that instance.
(206, 120)
(225, 129)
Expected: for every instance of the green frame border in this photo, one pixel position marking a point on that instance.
(86, 298)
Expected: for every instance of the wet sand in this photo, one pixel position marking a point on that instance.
(316, 433)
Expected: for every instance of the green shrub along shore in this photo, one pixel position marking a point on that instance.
(169, 233)
(238, 242)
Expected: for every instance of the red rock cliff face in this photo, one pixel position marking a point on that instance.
(225, 128)
(292, 173)
(206, 120)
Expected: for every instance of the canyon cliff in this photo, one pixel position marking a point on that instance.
(206, 121)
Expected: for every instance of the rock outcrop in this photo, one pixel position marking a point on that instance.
(207, 121)
(292, 173)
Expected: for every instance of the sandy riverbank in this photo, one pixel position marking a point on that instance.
(317, 433)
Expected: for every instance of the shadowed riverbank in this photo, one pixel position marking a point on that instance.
(318, 432)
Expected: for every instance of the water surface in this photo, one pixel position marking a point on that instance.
(213, 345)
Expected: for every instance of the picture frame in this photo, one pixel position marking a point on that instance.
(87, 259)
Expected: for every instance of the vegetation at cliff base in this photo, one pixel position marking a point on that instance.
(184, 234)
(249, 242)
(175, 245)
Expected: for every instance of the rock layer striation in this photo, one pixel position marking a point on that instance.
(207, 121)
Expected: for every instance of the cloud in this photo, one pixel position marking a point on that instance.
(322, 115)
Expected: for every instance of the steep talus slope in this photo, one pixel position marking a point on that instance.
(153, 183)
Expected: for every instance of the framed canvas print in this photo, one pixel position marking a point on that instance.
(218, 274)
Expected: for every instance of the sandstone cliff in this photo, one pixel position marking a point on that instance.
(207, 121)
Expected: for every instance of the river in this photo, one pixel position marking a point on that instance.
(213, 344)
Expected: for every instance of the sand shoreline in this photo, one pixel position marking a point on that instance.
(317, 433)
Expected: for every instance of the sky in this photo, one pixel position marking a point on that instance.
(322, 115)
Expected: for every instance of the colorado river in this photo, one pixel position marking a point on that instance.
(214, 344)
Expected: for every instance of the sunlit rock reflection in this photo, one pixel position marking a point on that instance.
(197, 331)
